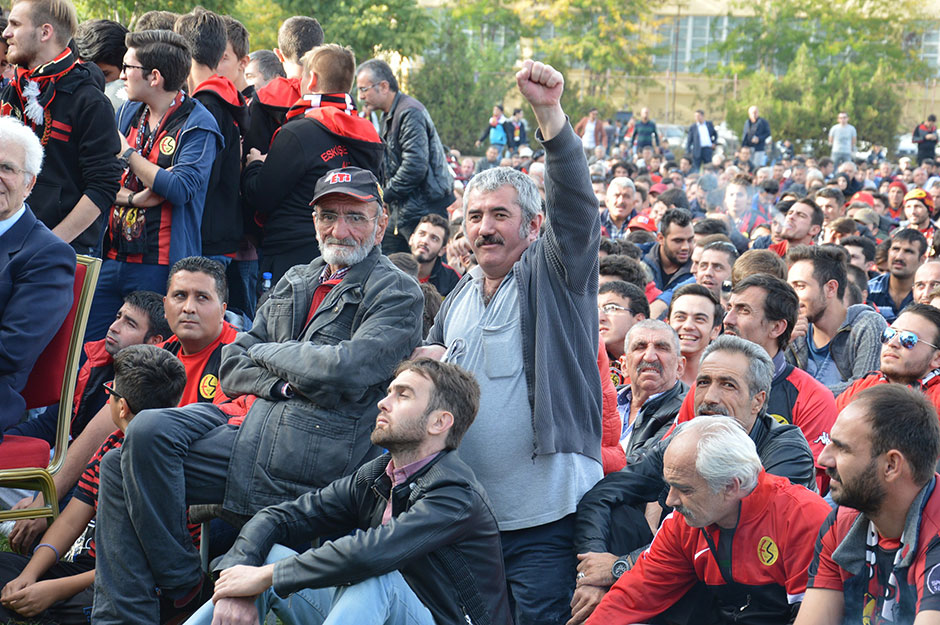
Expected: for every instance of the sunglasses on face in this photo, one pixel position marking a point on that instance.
(906, 338)
(109, 389)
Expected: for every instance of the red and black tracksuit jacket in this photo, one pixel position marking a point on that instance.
(929, 385)
(89, 396)
(222, 219)
(864, 589)
(756, 571)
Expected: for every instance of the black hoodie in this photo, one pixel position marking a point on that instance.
(279, 189)
(222, 224)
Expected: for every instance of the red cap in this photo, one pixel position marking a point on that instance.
(861, 196)
(898, 184)
(643, 223)
(658, 188)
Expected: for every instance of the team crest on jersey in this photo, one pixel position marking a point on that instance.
(933, 580)
(780, 419)
(207, 386)
(167, 145)
(767, 551)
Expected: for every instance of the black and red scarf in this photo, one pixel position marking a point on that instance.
(144, 138)
(34, 90)
(316, 100)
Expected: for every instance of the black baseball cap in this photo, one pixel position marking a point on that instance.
(354, 182)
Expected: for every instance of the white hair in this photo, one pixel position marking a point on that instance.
(620, 182)
(724, 453)
(13, 131)
(527, 193)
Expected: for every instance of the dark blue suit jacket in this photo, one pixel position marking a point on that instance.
(693, 143)
(37, 273)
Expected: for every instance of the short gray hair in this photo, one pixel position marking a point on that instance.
(12, 130)
(269, 65)
(760, 371)
(527, 193)
(655, 324)
(724, 453)
(622, 181)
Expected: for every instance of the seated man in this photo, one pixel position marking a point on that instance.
(840, 343)
(734, 380)
(308, 374)
(427, 544)
(54, 585)
(724, 503)
(876, 555)
(37, 271)
(892, 291)
(619, 305)
(194, 307)
(649, 403)
(909, 355)
(428, 244)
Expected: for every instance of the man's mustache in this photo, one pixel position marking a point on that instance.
(488, 239)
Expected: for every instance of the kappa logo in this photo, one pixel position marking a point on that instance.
(339, 177)
(207, 386)
(767, 551)
(167, 145)
(823, 439)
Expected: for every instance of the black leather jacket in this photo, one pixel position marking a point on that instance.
(654, 419)
(442, 537)
(418, 179)
(782, 449)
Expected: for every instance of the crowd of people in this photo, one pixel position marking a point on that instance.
(384, 383)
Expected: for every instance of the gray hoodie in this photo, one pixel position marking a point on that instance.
(855, 349)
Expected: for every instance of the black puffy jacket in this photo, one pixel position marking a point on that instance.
(418, 180)
(442, 538)
(782, 449)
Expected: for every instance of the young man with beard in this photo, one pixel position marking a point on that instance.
(723, 503)
(428, 244)
(892, 291)
(802, 223)
(695, 313)
(423, 547)
(59, 99)
(837, 344)
(909, 355)
(670, 258)
(918, 207)
(877, 556)
(307, 376)
(278, 186)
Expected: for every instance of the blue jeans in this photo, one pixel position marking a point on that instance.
(115, 281)
(383, 600)
(170, 459)
(540, 571)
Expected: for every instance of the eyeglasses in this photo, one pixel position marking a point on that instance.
(906, 338)
(612, 308)
(109, 389)
(8, 170)
(355, 220)
(362, 90)
(125, 67)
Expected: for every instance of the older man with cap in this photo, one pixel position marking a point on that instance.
(309, 373)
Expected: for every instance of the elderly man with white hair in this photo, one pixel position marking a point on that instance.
(620, 202)
(37, 269)
(724, 503)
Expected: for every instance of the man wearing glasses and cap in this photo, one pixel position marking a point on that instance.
(310, 373)
(909, 355)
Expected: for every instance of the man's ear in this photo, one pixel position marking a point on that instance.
(279, 54)
(156, 339)
(439, 422)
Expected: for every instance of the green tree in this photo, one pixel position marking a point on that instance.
(459, 81)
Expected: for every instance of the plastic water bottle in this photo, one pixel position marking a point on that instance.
(266, 282)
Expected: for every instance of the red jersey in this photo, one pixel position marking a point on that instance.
(758, 585)
(202, 368)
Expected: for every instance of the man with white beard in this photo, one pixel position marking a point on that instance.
(307, 378)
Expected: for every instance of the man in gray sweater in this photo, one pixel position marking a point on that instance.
(834, 343)
(525, 323)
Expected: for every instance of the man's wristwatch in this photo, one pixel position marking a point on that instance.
(125, 157)
(621, 566)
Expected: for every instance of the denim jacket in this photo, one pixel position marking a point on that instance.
(338, 365)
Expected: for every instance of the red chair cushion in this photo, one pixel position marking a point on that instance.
(20, 452)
